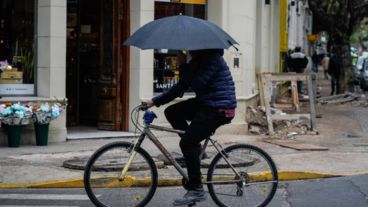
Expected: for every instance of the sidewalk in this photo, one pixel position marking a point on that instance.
(342, 129)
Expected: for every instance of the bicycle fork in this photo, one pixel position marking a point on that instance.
(133, 153)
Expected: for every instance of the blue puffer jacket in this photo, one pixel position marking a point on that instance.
(209, 77)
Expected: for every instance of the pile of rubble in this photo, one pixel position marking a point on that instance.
(257, 124)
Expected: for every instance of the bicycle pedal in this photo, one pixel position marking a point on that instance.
(192, 204)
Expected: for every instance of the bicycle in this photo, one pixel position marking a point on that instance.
(124, 174)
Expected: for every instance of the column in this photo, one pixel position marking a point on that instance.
(51, 58)
(141, 61)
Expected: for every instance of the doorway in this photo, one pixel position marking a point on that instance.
(83, 55)
(97, 63)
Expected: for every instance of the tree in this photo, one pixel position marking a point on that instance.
(339, 18)
(361, 37)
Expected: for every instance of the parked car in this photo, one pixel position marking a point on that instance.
(358, 66)
(363, 75)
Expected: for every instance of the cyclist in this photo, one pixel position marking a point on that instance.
(208, 75)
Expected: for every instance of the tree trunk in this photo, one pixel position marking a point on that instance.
(340, 18)
(341, 47)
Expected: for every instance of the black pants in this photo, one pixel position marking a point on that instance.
(203, 122)
(299, 83)
(335, 84)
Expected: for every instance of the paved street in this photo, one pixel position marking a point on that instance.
(334, 192)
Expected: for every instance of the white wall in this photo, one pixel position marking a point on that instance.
(267, 36)
(299, 25)
(237, 17)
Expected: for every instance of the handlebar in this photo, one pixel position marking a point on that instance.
(148, 116)
(143, 106)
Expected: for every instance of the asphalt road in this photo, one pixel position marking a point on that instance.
(334, 192)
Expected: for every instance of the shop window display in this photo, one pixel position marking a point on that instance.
(17, 47)
(166, 71)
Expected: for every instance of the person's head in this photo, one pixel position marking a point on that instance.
(298, 49)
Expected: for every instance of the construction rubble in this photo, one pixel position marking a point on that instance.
(287, 129)
(284, 129)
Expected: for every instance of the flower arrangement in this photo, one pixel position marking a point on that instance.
(5, 65)
(44, 113)
(23, 114)
(15, 114)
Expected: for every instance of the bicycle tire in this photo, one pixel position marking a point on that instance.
(254, 165)
(102, 172)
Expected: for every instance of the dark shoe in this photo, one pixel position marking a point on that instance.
(192, 196)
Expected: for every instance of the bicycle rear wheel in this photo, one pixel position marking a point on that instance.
(254, 184)
(102, 177)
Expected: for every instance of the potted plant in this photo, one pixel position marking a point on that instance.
(43, 114)
(15, 116)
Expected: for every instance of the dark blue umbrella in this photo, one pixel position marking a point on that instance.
(180, 33)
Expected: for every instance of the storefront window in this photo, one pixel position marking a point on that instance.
(166, 72)
(17, 47)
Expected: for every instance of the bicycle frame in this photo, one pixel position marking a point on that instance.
(147, 132)
(239, 165)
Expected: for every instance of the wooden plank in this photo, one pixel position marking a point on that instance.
(261, 90)
(295, 95)
(285, 77)
(327, 98)
(295, 144)
(267, 96)
(311, 103)
(290, 116)
(341, 100)
(283, 105)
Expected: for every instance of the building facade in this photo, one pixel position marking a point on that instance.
(299, 25)
(79, 55)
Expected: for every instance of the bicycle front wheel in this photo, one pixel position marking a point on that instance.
(242, 175)
(107, 188)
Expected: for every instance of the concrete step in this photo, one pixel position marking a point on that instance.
(86, 132)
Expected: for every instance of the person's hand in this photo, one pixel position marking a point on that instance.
(150, 103)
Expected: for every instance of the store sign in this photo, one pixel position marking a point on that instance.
(312, 37)
(189, 1)
(17, 89)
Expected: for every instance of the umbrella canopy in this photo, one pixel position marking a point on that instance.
(180, 33)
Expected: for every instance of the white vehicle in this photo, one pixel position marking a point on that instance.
(363, 75)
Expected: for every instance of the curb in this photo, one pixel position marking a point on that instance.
(78, 182)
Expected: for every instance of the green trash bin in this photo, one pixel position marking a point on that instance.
(14, 135)
(42, 134)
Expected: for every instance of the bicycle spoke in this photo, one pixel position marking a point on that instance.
(254, 182)
(103, 177)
